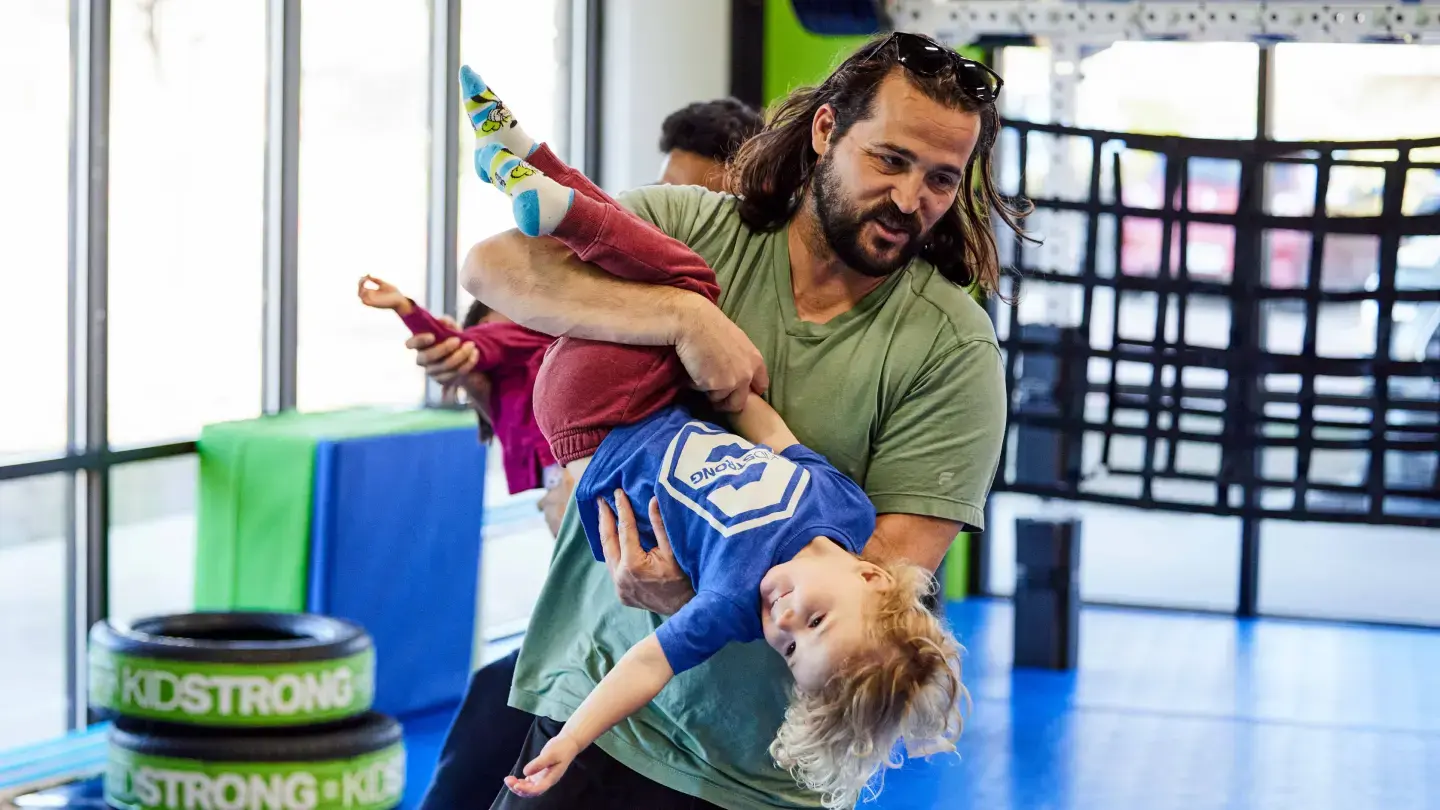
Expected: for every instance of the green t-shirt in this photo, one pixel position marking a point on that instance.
(904, 393)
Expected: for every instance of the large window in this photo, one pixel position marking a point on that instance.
(363, 162)
(32, 608)
(1356, 92)
(152, 537)
(528, 73)
(187, 172)
(1193, 89)
(1196, 89)
(1212, 90)
(181, 162)
(34, 176)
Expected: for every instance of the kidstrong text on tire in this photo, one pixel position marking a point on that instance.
(240, 670)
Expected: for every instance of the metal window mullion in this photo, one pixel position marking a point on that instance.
(282, 183)
(440, 274)
(87, 501)
(1248, 587)
(586, 37)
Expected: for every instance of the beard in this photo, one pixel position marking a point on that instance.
(843, 226)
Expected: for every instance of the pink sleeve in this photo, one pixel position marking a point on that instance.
(498, 343)
(422, 322)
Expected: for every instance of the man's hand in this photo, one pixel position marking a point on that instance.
(650, 580)
(447, 362)
(718, 355)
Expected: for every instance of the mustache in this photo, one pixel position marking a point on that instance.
(890, 216)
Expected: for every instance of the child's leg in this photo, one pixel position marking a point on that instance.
(544, 159)
(552, 199)
(491, 119)
(585, 388)
(495, 123)
(609, 236)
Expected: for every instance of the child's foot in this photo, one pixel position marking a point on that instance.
(539, 202)
(492, 121)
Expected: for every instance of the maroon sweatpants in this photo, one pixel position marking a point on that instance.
(586, 387)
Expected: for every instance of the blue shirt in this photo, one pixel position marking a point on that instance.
(732, 511)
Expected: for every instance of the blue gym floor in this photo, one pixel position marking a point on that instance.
(1167, 711)
(1171, 711)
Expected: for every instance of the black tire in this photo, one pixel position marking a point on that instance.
(355, 765)
(240, 670)
(842, 17)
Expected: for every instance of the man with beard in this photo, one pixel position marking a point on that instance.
(863, 215)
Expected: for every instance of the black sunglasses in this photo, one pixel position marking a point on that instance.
(926, 57)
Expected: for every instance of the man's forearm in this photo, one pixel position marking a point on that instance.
(917, 539)
(541, 284)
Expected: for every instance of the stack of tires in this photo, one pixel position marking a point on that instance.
(243, 711)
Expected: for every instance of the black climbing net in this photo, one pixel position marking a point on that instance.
(1244, 328)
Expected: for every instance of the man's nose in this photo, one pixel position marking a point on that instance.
(906, 194)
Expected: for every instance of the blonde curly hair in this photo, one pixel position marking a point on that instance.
(904, 684)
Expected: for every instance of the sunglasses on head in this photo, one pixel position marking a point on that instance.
(926, 57)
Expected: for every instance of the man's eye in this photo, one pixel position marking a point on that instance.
(892, 162)
(789, 651)
(815, 622)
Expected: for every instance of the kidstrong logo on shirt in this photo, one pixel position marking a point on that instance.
(732, 484)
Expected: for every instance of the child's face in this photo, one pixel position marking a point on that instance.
(813, 610)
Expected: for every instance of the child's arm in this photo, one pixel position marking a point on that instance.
(761, 424)
(496, 344)
(636, 679)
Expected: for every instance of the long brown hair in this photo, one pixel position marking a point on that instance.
(772, 171)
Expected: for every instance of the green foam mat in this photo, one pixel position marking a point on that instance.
(256, 499)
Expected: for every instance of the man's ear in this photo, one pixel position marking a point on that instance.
(822, 126)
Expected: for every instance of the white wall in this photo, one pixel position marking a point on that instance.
(659, 55)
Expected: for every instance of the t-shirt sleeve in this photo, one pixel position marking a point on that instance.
(672, 209)
(707, 221)
(924, 465)
(838, 508)
(700, 629)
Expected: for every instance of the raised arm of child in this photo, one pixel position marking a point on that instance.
(761, 424)
(496, 343)
(636, 679)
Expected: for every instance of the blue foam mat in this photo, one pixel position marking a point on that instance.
(395, 546)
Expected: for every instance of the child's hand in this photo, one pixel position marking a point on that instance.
(383, 295)
(542, 772)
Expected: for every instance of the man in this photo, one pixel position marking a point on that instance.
(699, 139)
(696, 142)
(864, 214)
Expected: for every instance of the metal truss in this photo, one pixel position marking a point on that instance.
(1101, 22)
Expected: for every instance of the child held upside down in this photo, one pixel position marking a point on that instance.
(768, 532)
(511, 355)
